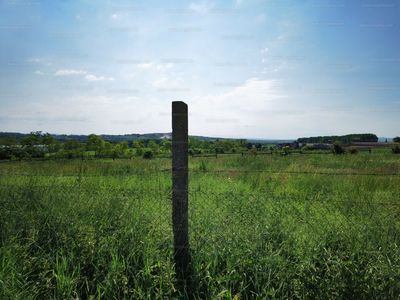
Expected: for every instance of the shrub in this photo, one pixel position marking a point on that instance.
(148, 154)
(396, 148)
(337, 148)
(219, 150)
(308, 147)
(139, 151)
(286, 150)
(253, 152)
(353, 150)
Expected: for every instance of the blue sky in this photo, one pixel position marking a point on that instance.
(246, 69)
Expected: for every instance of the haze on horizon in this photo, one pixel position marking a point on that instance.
(246, 69)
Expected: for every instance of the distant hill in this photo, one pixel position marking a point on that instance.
(348, 138)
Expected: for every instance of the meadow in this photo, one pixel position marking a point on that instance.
(260, 227)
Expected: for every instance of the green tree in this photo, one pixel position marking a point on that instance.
(225, 144)
(337, 148)
(71, 148)
(154, 147)
(48, 141)
(108, 149)
(167, 146)
(95, 143)
(148, 154)
(353, 150)
(122, 147)
(205, 144)
(396, 149)
(8, 148)
(396, 139)
(33, 144)
(137, 144)
(286, 150)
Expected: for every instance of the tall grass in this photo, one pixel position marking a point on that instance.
(98, 230)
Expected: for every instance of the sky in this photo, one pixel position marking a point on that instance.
(246, 69)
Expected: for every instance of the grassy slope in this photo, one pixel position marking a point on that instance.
(253, 235)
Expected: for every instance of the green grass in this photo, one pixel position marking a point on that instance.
(98, 230)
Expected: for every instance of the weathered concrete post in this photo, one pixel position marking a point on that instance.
(180, 187)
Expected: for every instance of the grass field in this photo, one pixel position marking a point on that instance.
(102, 229)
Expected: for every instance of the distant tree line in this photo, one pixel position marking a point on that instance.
(345, 139)
(38, 145)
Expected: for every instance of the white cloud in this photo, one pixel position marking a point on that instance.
(39, 73)
(93, 78)
(115, 16)
(33, 60)
(163, 68)
(255, 95)
(111, 79)
(49, 64)
(198, 7)
(179, 79)
(265, 50)
(69, 72)
(144, 65)
(161, 81)
(78, 17)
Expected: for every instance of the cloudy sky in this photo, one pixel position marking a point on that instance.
(246, 69)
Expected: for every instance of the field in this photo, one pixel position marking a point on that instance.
(263, 227)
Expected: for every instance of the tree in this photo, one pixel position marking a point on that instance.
(167, 146)
(286, 150)
(396, 139)
(95, 143)
(108, 148)
(249, 146)
(225, 144)
(33, 144)
(241, 143)
(137, 144)
(148, 154)
(54, 147)
(8, 147)
(48, 141)
(71, 144)
(154, 147)
(396, 149)
(122, 147)
(72, 148)
(353, 150)
(205, 144)
(337, 148)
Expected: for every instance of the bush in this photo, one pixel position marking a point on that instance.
(353, 150)
(396, 149)
(219, 150)
(148, 154)
(308, 147)
(286, 150)
(253, 152)
(139, 151)
(337, 148)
